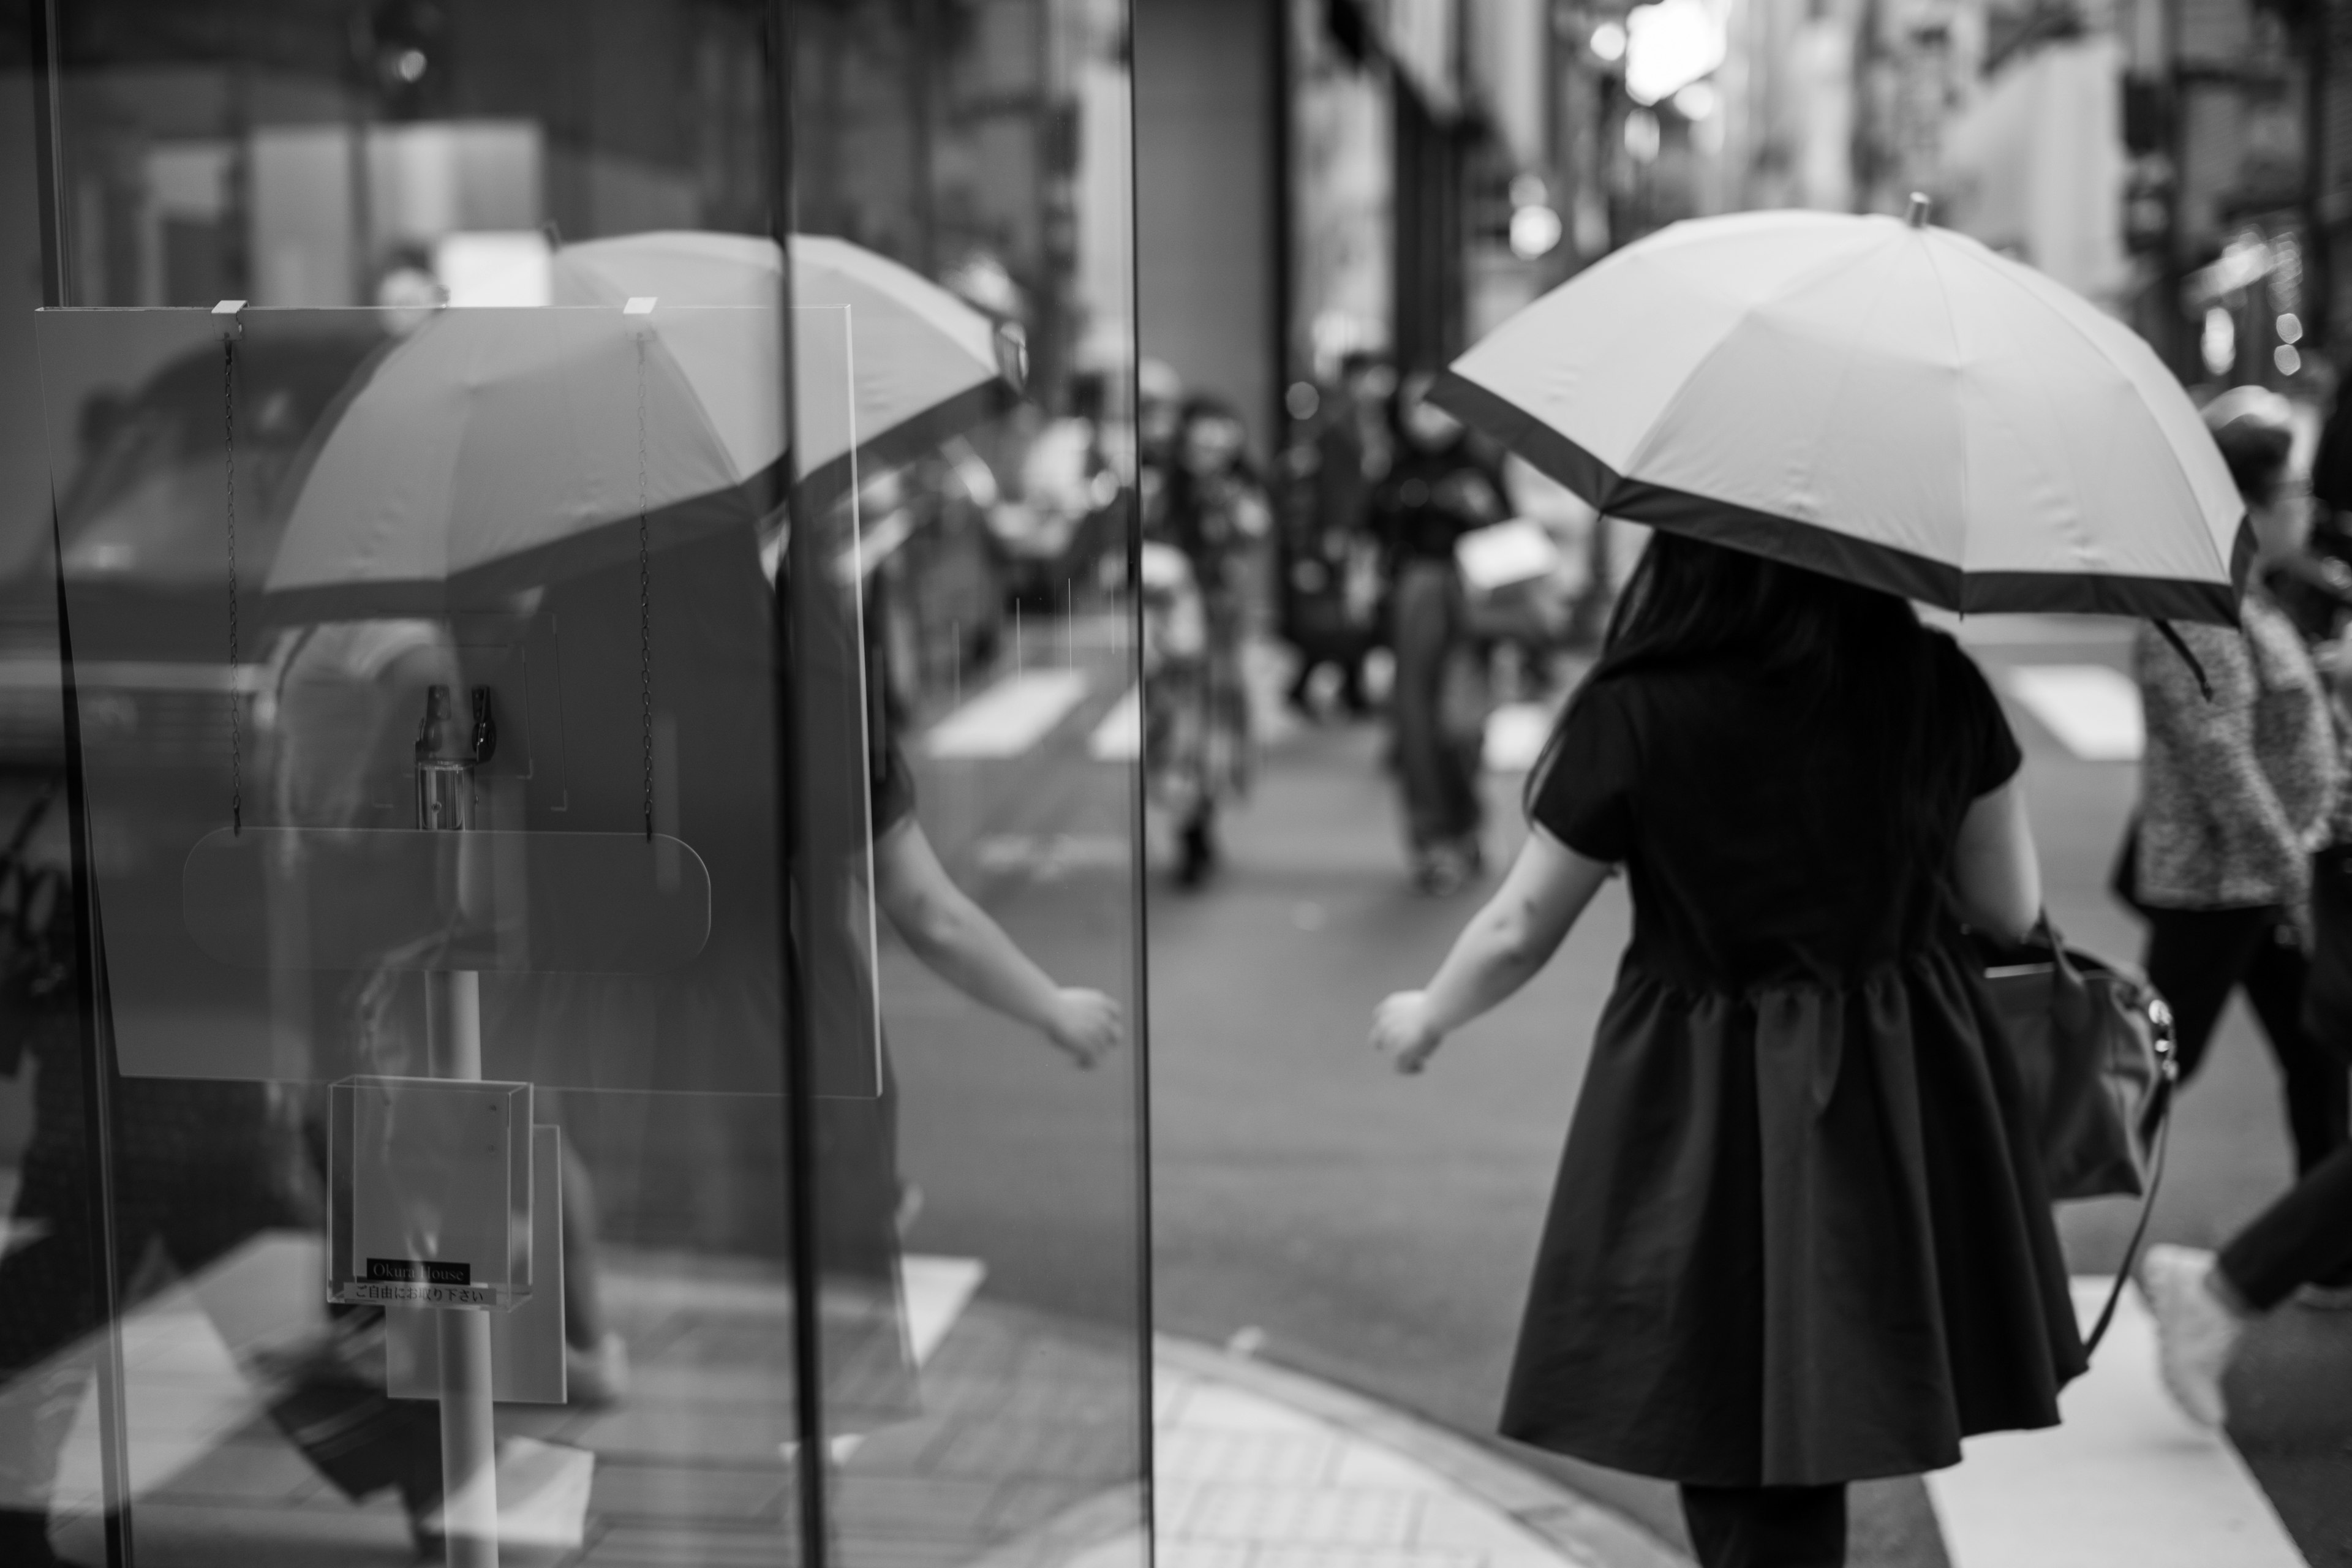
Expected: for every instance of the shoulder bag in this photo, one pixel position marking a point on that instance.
(2094, 1052)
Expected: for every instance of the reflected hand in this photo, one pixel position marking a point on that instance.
(1086, 1024)
(1400, 1028)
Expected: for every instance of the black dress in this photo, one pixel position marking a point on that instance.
(1801, 1234)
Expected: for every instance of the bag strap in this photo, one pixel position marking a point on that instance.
(2158, 1118)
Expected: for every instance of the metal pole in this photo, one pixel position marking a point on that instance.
(469, 1477)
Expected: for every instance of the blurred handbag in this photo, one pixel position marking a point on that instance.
(2094, 1052)
(1516, 583)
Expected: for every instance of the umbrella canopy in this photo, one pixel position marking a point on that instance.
(1885, 401)
(496, 448)
(924, 364)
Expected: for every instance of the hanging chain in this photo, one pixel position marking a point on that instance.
(228, 475)
(644, 599)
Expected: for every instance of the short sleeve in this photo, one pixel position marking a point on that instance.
(1988, 747)
(1584, 795)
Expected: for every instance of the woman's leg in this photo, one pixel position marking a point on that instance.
(2303, 1237)
(1767, 1527)
(2318, 1087)
(1415, 705)
(2195, 958)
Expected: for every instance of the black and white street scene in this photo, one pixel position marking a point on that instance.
(1226, 783)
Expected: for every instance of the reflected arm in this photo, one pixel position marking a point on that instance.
(957, 942)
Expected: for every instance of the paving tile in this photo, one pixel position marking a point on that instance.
(1219, 1455)
(1106, 1452)
(640, 1492)
(1452, 1522)
(1202, 1554)
(919, 1506)
(1362, 1557)
(1351, 1516)
(632, 1547)
(1230, 1409)
(1362, 1463)
(1023, 1507)
(685, 1432)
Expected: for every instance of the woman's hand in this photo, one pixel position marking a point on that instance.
(1086, 1025)
(1401, 1029)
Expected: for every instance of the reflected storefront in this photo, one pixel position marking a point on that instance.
(573, 964)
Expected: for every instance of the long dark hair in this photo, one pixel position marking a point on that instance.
(1857, 653)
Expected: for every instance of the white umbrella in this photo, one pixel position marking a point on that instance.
(1883, 401)
(924, 364)
(500, 446)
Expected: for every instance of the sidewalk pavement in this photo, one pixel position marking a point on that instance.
(1262, 1468)
(1022, 1452)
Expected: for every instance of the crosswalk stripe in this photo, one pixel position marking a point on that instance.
(2093, 709)
(2125, 1477)
(1010, 716)
(1120, 737)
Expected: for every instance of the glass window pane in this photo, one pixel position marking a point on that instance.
(593, 727)
(992, 1187)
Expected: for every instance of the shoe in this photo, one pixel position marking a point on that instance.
(2325, 1297)
(597, 1379)
(2195, 1333)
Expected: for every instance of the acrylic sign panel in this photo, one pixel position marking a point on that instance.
(304, 725)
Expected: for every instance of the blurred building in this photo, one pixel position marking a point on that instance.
(2188, 165)
(1322, 177)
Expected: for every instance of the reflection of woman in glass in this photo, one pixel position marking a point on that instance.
(688, 1137)
(1197, 720)
(958, 942)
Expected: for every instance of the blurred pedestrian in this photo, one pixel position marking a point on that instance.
(2203, 1302)
(1214, 515)
(1159, 415)
(1332, 587)
(1801, 1235)
(2236, 785)
(1436, 491)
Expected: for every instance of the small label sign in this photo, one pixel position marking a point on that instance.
(410, 1270)
(397, 1294)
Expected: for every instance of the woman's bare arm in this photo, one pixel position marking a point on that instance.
(1499, 951)
(1994, 868)
(957, 940)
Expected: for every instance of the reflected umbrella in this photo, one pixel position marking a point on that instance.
(495, 448)
(925, 366)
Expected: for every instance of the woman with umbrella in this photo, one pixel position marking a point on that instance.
(1213, 514)
(1801, 1236)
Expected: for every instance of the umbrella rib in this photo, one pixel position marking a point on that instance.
(2170, 451)
(1952, 331)
(1808, 279)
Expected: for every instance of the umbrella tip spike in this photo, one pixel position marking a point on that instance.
(1915, 215)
